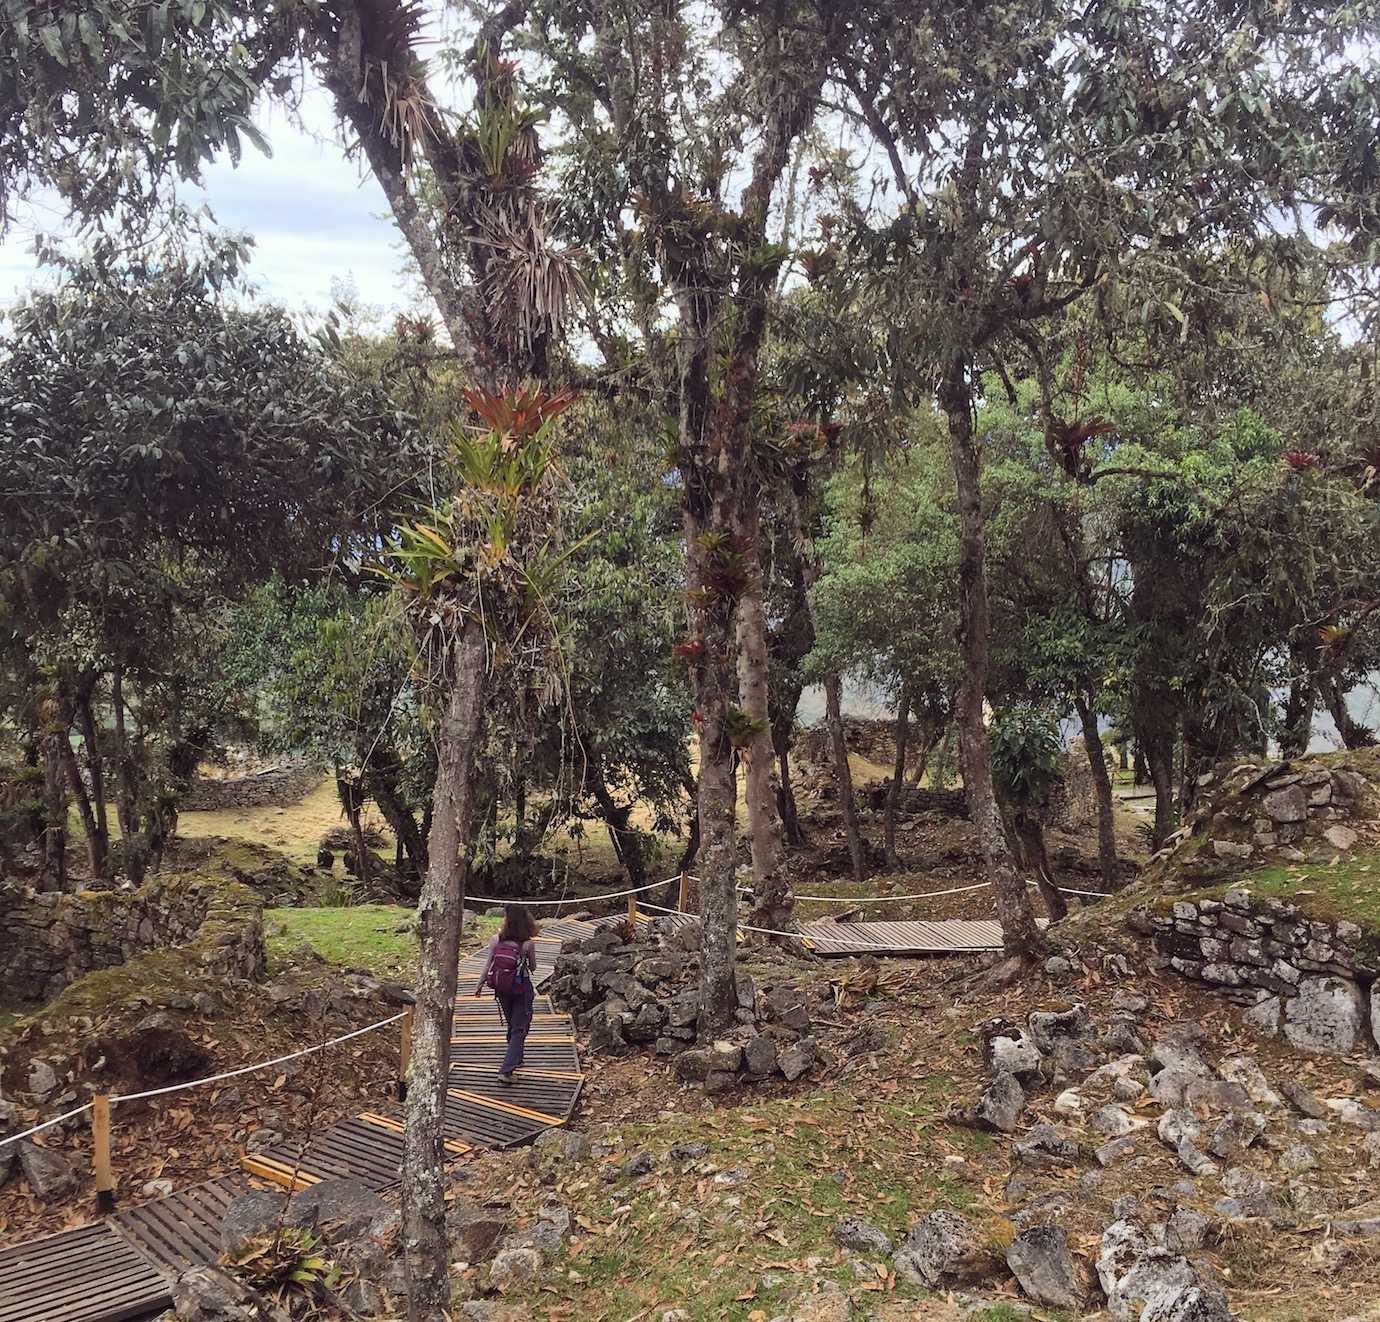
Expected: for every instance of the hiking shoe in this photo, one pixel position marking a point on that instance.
(505, 1078)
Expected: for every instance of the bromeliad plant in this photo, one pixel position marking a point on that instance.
(493, 549)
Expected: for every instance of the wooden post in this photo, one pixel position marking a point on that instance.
(405, 1053)
(683, 903)
(632, 916)
(100, 1143)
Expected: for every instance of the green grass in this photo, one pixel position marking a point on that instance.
(1350, 887)
(363, 936)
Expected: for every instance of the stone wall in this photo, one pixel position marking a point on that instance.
(48, 941)
(1314, 981)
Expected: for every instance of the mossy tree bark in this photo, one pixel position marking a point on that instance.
(440, 923)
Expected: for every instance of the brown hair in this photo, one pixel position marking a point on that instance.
(518, 924)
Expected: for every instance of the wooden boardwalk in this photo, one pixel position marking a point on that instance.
(123, 1267)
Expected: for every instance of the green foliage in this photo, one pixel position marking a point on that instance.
(1025, 755)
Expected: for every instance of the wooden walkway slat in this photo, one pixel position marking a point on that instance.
(85, 1275)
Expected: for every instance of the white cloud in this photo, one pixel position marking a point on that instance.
(316, 218)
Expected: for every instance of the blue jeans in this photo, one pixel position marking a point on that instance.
(517, 1012)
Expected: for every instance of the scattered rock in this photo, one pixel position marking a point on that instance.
(1117, 1149)
(42, 1081)
(1302, 1100)
(638, 1165)
(1351, 1112)
(1000, 1105)
(1234, 1134)
(511, 1269)
(1325, 1015)
(1045, 1146)
(559, 1147)
(797, 1058)
(1297, 1158)
(1015, 1054)
(689, 1151)
(48, 1173)
(1187, 1230)
(1114, 1121)
(473, 1231)
(157, 1189)
(1069, 1104)
(943, 1248)
(1040, 1260)
(1247, 1074)
(204, 1294)
(856, 1234)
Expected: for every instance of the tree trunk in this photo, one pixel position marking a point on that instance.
(1123, 755)
(95, 853)
(53, 876)
(440, 924)
(692, 842)
(383, 789)
(351, 795)
(95, 761)
(1030, 832)
(626, 839)
(1020, 934)
(773, 900)
(898, 775)
(1158, 748)
(718, 795)
(1102, 787)
(1353, 734)
(843, 774)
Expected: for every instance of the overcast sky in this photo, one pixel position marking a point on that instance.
(315, 218)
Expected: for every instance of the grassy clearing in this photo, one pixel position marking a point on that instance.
(733, 1233)
(1348, 888)
(377, 937)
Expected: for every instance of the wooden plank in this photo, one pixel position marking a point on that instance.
(86, 1275)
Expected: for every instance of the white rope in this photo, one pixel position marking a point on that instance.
(47, 1124)
(574, 899)
(884, 899)
(262, 1065)
(920, 895)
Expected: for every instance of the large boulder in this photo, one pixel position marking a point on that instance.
(472, 1230)
(514, 1268)
(204, 1294)
(48, 1173)
(1040, 1260)
(943, 1249)
(1325, 1016)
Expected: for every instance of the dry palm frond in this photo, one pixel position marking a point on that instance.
(533, 284)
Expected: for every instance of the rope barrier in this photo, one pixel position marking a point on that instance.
(574, 899)
(922, 895)
(47, 1124)
(262, 1065)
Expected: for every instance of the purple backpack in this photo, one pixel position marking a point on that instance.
(505, 968)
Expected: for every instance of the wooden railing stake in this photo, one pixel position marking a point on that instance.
(100, 1142)
(683, 903)
(632, 915)
(405, 1053)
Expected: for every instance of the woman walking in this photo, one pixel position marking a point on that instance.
(508, 970)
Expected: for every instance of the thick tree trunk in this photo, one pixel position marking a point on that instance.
(843, 774)
(440, 923)
(617, 818)
(1353, 734)
(1030, 832)
(898, 775)
(782, 734)
(1020, 933)
(773, 901)
(1158, 748)
(1102, 788)
(692, 842)
(411, 843)
(351, 795)
(53, 876)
